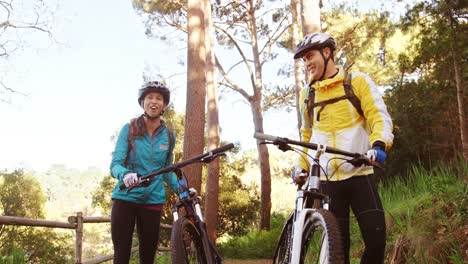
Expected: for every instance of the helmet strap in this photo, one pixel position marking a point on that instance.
(325, 60)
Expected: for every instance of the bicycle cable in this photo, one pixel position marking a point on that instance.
(299, 151)
(341, 164)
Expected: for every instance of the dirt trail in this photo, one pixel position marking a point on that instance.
(247, 261)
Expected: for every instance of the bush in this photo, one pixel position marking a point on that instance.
(256, 244)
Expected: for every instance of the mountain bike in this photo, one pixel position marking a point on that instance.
(311, 233)
(189, 240)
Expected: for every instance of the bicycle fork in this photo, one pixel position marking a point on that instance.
(300, 214)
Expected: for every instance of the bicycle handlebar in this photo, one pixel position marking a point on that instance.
(205, 157)
(283, 143)
(281, 140)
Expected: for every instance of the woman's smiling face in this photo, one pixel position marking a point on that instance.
(153, 104)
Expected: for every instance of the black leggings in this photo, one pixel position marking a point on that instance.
(123, 218)
(359, 193)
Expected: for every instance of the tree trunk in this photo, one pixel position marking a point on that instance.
(461, 108)
(310, 16)
(256, 101)
(459, 81)
(212, 179)
(264, 158)
(297, 63)
(196, 91)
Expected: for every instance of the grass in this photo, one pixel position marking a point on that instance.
(426, 215)
(17, 256)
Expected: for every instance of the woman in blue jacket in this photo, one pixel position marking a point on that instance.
(144, 145)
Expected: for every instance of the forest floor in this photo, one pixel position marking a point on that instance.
(247, 261)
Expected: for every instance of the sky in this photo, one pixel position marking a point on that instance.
(82, 88)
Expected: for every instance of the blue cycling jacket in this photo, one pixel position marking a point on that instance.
(149, 154)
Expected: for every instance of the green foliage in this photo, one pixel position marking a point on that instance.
(101, 196)
(422, 134)
(367, 42)
(159, 6)
(22, 196)
(238, 203)
(427, 214)
(255, 244)
(16, 257)
(440, 28)
(19, 189)
(423, 102)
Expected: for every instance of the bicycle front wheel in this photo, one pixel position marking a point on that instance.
(321, 240)
(282, 255)
(186, 243)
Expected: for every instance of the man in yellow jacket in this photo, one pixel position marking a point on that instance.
(347, 112)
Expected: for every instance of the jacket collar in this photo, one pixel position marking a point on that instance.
(325, 84)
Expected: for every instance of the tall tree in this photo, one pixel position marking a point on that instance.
(443, 27)
(297, 63)
(244, 27)
(196, 90)
(310, 21)
(254, 36)
(452, 13)
(212, 179)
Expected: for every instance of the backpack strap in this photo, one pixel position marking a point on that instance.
(349, 95)
(348, 88)
(309, 102)
(322, 104)
(130, 147)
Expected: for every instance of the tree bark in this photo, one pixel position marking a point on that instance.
(310, 15)
(196, 91)
(212, 179)
(459, 81)
(256, 101)
(460, 97)
(297, 63)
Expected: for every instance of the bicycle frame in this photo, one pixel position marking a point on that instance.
(193, 211)
(302, 211)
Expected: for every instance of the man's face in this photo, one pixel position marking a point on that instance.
(314, 63)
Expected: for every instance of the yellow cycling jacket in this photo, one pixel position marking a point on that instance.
(341, 126)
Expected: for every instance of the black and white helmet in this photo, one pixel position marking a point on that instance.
(314, 41)
(154, 87)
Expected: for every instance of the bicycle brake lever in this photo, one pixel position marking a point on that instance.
(358, 161)
(282, 145)
(144, 182)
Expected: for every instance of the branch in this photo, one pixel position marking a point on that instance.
(270, 43)
(271, 101)
(241, 53)
(231, 85)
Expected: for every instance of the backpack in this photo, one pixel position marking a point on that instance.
(170, 136)
(349, 95)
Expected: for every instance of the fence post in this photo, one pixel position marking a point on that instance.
(79, 237)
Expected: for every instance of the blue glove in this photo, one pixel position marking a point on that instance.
(183, 190)
(377, 154)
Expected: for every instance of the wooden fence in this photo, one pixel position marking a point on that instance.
(74, 222)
